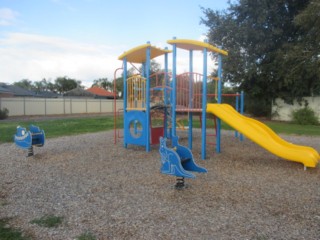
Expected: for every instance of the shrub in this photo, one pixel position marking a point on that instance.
(4, 113)
(305, 116)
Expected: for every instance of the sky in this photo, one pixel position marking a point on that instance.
(82, 39)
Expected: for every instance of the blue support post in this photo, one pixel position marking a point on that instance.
(125, 131)
(166, 102)
(143, 74)
(190, 98)
(241, 109)
(204, 105)
(237, 109)
(174, 89)
(218, 141)
(147, 71)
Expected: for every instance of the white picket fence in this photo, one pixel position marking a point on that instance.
(57, 106)
(283, 111)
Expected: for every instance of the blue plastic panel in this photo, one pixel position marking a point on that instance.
(135, 125)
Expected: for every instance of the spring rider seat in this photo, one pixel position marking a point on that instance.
(178, 161)
(27, 139)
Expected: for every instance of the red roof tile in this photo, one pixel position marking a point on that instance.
(100, 91)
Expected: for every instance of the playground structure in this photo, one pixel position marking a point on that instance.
(189, 93)
(27, 139)
(145, 95)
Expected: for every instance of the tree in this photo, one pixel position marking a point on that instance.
(309, 23)
(307, 48)
(40, 85)
(119, 86)
(103, 83)
(64, 84)
(262, 39)
(51, 87)
(44, 85)
(25, 84)
(154, 68)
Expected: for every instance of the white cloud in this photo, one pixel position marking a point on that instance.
(202, 38)
(7, 16)
(35, 57)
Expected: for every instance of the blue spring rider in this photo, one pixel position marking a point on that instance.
(178, 161)
(27, 139)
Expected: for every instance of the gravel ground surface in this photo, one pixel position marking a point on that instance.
(118, 193)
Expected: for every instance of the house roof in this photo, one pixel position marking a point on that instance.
(4, 90)
(100, 92)
(17, 91)
(78, 92)
(47, 94)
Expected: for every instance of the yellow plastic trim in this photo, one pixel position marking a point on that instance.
(136, 92)
(196, 45)
(138, 54)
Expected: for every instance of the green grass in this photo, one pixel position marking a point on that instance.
(290, 128)
(287, 128)
(278, 127)
(9, 233)
(60, 127)
(48, 221)
(73, 126)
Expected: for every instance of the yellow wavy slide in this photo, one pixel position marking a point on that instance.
(264, 136)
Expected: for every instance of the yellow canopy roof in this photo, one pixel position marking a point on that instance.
(196, 45)
(138, 54)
